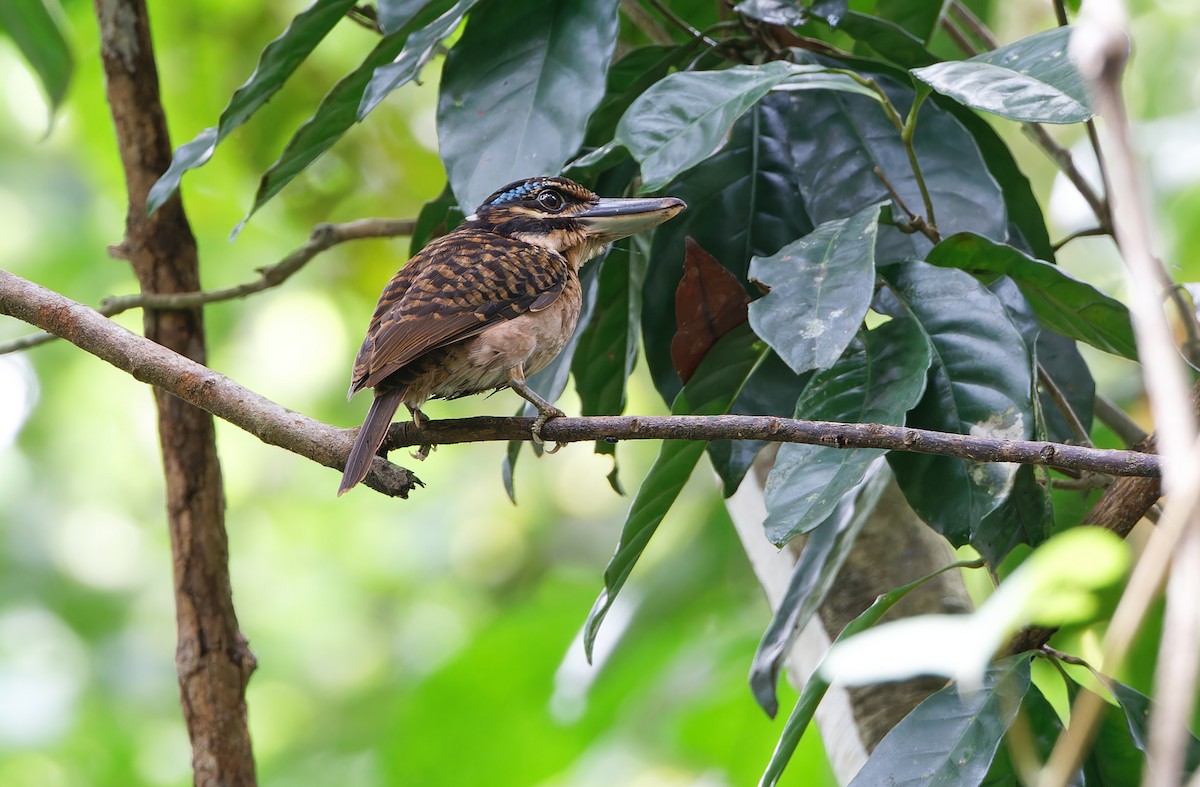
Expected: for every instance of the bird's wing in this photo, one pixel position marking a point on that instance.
(455, 289)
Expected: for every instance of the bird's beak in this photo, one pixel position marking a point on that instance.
(611, 219)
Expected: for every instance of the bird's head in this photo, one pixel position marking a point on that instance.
(561, 215)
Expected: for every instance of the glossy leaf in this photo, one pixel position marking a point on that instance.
(824, 553)
(419, 49)
(517, 90)
(881, 377)
(980, 383)
(1064, 365)
(790, 13)
(278, 61)
(816, 685)
(437, 217)
(710, 392)
(820, 288)
(627, 79)
(394, 14)
(951, 737)
(683, 118)
(1137, 708)
(840, 140)
(1030, 81)
(887, 38)
(36, 27)
(742, 202)
(1063, 303)
(709, 302)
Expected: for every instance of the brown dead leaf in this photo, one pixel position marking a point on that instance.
(709, 302)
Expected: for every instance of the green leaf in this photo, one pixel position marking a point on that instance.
(437, 217)
(919, 17)
(1137, 708)
(742, 202)
(824, 553)
(980, 383)
(1030, 81)
(1060, 358)
(517, 90)
(419, 49)
(951, 737)
(627, 79)
(820, 289)
(337, 112)
(683, 118)
(278, 61)
(1064, 304)
(395, 14)
(887, 38)
(711, 390)
(38, 30)
(881, 377)
(842, 139)
(608, 347)
(816, 685)
(1025, 517)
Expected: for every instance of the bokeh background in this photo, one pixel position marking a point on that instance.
(428, 641)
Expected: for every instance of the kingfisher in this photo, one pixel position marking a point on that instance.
(484, 306)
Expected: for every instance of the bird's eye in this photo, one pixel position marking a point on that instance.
(550, 200)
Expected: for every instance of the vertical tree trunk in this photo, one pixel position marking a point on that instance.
(212, 657)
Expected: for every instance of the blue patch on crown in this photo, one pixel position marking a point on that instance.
(524, 190)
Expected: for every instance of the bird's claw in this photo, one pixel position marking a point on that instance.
(422, 453)
(535, 431)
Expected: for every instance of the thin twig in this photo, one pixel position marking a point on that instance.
(1060, 400)
(1116, 419)
(323, 237)
(366, 16)
(974, 24)
(1090, 232)
(683, 24)
(915, 223)
(1086, 482)
(1099, 48)
(643, 20)
(959, 38)
(1066, 162)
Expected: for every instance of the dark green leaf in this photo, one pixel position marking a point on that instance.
(919, 17)
(881, 377)
(789, 13)
(1025, 517)
(951, 737)
(742, 202)
(820, 288)
(437, 217)
(278, 61)
(627, 79)
(842, 139)
(1044, 726)
(418, 50)
(816, 685)
(683, 118)
(980, 383)
(337, 112)
(608, 346)
(1031, 81)
(36, 27)
(394, 14)
(1137, 709)
(1027, 228)
(887, 38)
(517, 90)
(1063, 303)
(710, 392)
(825, 551)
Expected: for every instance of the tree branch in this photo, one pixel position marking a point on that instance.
(193, 383)
(324, 236)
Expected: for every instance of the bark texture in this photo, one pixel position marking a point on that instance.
(212, 657)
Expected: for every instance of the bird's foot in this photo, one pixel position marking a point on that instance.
(422, 453)
(544, 415)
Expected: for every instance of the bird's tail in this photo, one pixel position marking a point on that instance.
(370, 437)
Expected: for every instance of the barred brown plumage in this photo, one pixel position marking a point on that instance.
(491, 302)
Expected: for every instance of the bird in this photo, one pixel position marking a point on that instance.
(488, 304)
